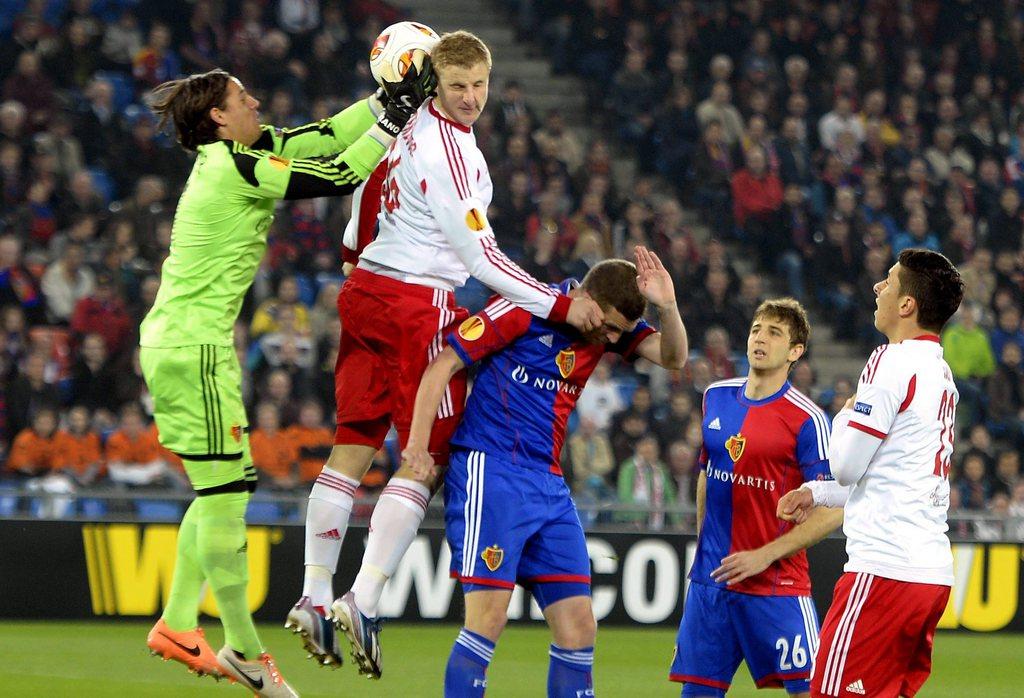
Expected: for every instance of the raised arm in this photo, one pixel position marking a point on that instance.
(669, 347)
(459, 211)
(324, 137)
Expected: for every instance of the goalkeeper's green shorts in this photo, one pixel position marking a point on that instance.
(199, 413)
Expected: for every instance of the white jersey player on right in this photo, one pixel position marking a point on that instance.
(890, 455)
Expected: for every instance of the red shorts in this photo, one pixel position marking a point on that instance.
(877, 637)
(390, 331)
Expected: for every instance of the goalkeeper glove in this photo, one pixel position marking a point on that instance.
(402, 99)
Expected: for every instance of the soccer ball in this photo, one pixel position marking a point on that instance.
(398, 47)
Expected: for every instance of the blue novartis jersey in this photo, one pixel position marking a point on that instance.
(531, 374)
(754, 452)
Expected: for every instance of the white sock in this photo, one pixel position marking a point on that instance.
(393, 525)
(327, 515)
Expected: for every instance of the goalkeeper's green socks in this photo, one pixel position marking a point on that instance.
(221, 540)
(182, 610)
(212, 546)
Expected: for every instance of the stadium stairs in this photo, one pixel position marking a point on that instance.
(544, 90)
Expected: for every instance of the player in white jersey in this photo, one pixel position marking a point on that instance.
(890, 453)
(395, 309)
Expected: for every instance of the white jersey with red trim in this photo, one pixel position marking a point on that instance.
(433, 217)
(895, 517)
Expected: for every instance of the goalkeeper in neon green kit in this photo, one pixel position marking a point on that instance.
(219, 236)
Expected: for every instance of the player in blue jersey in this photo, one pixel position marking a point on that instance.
(749, 596)
(509, 515)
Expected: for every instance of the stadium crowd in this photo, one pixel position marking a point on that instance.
(816, 140)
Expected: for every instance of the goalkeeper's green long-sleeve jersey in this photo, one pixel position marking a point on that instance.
(220, 227)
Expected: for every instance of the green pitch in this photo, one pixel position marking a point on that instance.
(105, 658)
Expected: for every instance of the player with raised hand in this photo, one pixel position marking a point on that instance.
(395, 309)
(750, 594)
(890, 455)
(509, 516)
(188, 360)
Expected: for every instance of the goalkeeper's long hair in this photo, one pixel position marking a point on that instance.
(187, 103)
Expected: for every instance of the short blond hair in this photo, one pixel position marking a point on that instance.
(460, 48)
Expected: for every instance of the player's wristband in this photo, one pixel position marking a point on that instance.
(560, 310)
(391, 122)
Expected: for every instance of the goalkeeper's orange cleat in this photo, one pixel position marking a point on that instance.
(186, 646)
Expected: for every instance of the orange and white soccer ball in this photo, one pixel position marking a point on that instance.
(399, 46)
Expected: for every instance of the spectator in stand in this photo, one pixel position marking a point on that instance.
(631, 428)
(274, 453)
(67, 281)
(631, 98)
(204, 40)
(718, 352)
(794, 154)
(103, 312)
(156, 62)
(312, 439)
(751, 294)
(1007, 472)
(712, 174)
(1004, 395)
(917, 234)
(671, 422)
(590, 458)
(1008, 330)
(83, 457)
(93, 376)
(277, 388)
(37, 450)
(644, 481)
(17, 285)
(1005, 228)
(719, 107)
(31, 87)
(601, 399)
(133, 453)
(967, 351)
(551, 221)
(122, 40)
(265, 319)
(682, 466)
(756, 204)
(554, 134)
(979, 279)
(840, 120)
(28, 393)
(837, 261)
(974, 485)
(714, 305)
(15, 336)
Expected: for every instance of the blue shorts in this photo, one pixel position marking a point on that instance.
(776, 635)
(507, 524)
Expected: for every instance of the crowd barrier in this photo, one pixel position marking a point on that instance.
(124, 569)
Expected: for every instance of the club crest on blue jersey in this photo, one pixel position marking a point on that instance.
(492, 557)
(735, 445)
(566, 362)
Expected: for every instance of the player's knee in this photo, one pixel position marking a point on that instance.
(431, 482)
(576, 629)
(350, 460)
(489, 622)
